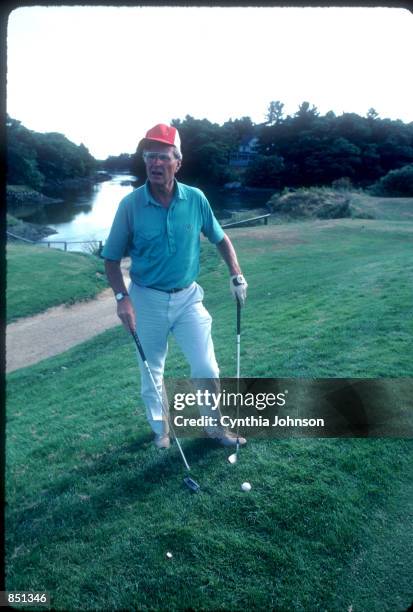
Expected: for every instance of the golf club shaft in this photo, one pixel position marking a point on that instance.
(145, 363)
(238, 363)
(238, 338)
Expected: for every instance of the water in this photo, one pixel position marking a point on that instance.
(86, 216)
(89, 216)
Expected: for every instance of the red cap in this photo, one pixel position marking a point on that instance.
(163, 133)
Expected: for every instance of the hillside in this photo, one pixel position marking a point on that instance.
(38, 278)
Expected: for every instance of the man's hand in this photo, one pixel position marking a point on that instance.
(237, 283)
(126, 314)
(238, 286)
(125, 309)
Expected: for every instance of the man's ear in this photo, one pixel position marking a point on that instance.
(179, 164)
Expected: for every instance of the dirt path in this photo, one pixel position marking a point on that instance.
(54, 331)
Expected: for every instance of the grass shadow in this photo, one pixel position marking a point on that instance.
(65, 507)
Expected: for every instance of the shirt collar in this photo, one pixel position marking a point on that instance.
(179, 193)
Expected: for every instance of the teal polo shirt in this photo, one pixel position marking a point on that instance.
(163, 243)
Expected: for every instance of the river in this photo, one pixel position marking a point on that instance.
(88, 216)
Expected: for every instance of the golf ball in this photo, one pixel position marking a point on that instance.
(169, 555)
(246, 486)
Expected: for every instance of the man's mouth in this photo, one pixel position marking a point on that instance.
(156, 173)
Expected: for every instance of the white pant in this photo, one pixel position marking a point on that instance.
(159, 313)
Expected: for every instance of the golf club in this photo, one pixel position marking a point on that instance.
(234, 457)
(190, 483)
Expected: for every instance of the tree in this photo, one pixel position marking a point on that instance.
(372, 114)
(234, 131)
(305, 112)
(123, 162)
(205, 147)
(59, 158)
(265, 171)
(371, 168)
(320, 149)
(22, 167)
(34, 158)
(274, 113)
(214, 168)
(314, 149)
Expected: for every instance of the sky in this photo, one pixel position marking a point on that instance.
(105, 75)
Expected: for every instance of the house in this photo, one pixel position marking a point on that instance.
(245, 153)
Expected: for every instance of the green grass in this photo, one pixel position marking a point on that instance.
(38, 278)
(93, 508)
(392, 209)
(326, 298)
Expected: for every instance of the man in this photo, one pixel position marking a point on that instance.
(159, 225)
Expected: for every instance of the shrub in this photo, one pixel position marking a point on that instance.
(396, 183)
(320, 203)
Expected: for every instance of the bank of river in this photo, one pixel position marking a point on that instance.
(88, 216)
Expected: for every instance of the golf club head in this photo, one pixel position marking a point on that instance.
(233, 458)
(191, 484)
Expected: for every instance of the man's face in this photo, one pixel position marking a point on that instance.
(161, 172)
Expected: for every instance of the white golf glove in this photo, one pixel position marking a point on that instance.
(238, 286)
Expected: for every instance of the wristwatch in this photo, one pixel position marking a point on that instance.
(119, 296)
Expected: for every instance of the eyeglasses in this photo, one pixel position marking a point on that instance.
(149, 156)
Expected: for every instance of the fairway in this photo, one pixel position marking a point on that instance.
(326, 299)
(93, 508)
